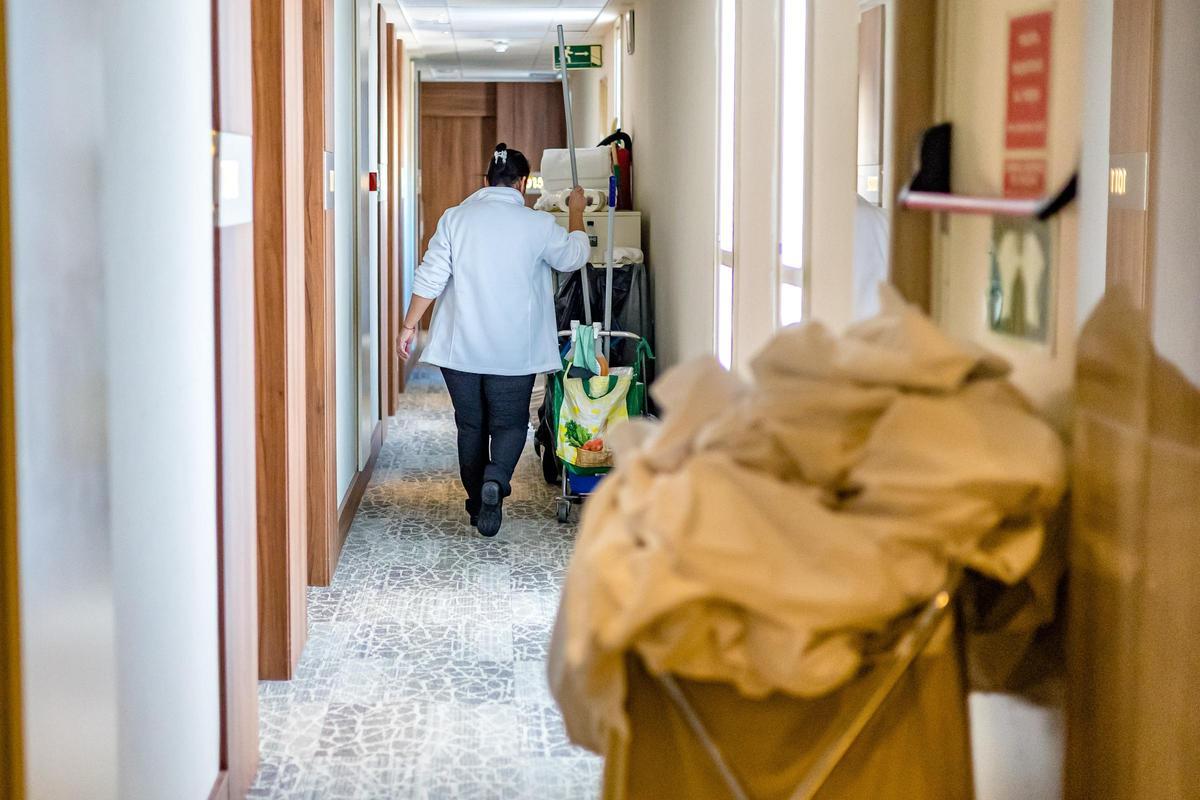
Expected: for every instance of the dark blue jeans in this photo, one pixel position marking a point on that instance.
(492, 415)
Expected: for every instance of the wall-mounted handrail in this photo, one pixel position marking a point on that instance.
(929, 189)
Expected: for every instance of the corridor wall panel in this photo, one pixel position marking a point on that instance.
(345, 270)
(279, 325)
(158, 270)
(68, 618)
(115, 377)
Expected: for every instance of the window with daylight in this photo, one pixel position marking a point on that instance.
(725, 163)
(793, 166)
(618, 62)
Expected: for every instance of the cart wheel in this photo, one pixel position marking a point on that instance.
(564, 510)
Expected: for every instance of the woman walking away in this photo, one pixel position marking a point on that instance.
(493, 327)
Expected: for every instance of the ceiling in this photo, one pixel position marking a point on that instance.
(456, 40)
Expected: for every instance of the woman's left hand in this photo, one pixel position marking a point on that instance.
(404, 344)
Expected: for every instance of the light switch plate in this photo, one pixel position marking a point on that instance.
(329, 176)
(234, 179)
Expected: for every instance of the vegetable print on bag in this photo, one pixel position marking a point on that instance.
(587, 412)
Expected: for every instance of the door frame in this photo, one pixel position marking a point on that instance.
(324, 540)
(1133, 116)
(277, 41)
(395, 218)
(383, 210)
(233, 318)
(12, 780)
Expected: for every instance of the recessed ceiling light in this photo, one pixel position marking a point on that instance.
(500, 45)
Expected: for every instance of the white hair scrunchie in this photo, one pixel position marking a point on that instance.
(501, 156)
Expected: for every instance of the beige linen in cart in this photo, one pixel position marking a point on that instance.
(758, 533)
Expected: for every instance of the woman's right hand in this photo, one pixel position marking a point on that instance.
(404, 344)
(577, 200)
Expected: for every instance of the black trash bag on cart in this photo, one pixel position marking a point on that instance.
(632, 308)
(632, 311)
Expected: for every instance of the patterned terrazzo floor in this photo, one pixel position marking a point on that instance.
(424, 673)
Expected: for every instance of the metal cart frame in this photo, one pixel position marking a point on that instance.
(850, 725)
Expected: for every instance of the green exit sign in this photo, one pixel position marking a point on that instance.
(581, 56)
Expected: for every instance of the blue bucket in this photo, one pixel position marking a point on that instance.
(583, 484)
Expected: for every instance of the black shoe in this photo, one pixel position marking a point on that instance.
(474, 520)
(490, 514)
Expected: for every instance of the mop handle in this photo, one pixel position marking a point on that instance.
(562, 60)
(608, 262)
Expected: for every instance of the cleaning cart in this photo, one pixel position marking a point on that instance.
(589, 394)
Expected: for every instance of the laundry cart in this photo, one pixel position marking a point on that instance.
(898, 732)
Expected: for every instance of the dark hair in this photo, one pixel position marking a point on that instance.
(507, 166)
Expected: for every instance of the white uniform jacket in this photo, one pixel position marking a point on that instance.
(488, 265)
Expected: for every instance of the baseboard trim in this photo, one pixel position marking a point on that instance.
(358, 487)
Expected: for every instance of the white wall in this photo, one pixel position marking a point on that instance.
(756, 191)
(671, 112)
(65, 538)
(158, 266)
(833, 161)
(346, 346)
(1176, 247)
(113, 244)
(585, 105)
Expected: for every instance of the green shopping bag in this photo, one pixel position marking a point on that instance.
(587, 410)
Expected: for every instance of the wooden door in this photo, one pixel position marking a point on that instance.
(383, 209)
(458, 132)
(530, 118)
(324, 536)
(395, 133)
(915, 60)
(11, 758)
(234, 292)
(279, 235)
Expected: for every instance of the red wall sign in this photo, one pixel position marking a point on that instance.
(1028, 81)
(1024, 177)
